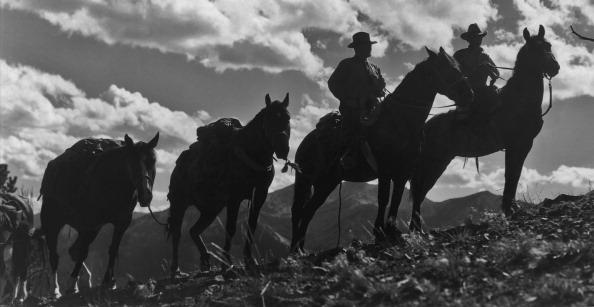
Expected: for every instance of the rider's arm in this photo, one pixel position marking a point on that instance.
(494, 72)
(380, 83)
(337, 81)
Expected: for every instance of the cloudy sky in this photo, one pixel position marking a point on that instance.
(71, 69)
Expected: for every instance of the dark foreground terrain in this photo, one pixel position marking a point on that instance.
(543, 256)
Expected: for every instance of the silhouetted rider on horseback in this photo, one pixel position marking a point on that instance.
(358, 85)
(477, 66)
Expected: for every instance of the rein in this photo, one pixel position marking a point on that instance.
(550, 89)
(155, 218)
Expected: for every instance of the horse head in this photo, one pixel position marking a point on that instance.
(276, 125)
(536, 54)
(448, 78)
(140, 167)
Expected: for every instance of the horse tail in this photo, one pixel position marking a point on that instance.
(176, 201)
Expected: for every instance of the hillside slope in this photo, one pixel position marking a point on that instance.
(144, 250)
(542, 256)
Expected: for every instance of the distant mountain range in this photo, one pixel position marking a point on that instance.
(145, 252)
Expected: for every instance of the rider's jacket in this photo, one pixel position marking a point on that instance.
(476, 65)
(355, 81)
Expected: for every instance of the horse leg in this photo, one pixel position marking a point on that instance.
(118, 232)
(260, 195)
(206, 218)
(301, 195)
(79, 252)
(383, 196)
(51, 226)
(321, 192)
(231, 226)
(514, 160)
(429, 169)
(397, 191)
(174, 224)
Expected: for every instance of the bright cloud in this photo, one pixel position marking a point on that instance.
(577, 61)
(465, 176)
(426, 23)
(262, 34)
(43, 114)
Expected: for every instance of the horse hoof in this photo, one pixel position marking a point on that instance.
(380, 235)
(415, 227)
(109, 284)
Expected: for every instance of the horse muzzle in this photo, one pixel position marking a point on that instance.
(281, 145)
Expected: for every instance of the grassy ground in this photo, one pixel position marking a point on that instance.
(543, 256)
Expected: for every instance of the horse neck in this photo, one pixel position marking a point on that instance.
(415, 93)
(252, 140)
(110, 171)
(524, 90)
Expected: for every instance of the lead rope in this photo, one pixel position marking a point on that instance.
(154, 218)
(339, 213)
(550, 90)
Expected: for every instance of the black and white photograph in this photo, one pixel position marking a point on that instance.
(296, 153)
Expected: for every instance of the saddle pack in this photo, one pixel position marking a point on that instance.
(206, 161)
(65, 174)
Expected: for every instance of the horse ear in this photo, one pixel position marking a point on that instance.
(153, 143)
(441, 50)
(286, 100)
(267, 99)
(430, 52)
(128, 140)
(541, 31)
(526, 34)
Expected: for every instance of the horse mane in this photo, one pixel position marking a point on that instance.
(419, 67)
(520, 64)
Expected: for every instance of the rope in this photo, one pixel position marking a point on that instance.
(550, 86)
(339, 213)
(293, 165)
(154, 218)
(550, 97)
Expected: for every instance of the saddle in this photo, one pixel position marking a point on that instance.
(66, 172)
(328, 132)
(207, 159)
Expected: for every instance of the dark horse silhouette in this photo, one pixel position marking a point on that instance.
(17, 232)
(247, 173)
(106, 191)
(393, 138)
(512, 127)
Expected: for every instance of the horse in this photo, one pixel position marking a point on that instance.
(393, 140)
(512, 127)
(248, 160)
(114, 177)
(16, 231)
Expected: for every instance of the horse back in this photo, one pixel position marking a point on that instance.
(65, 176)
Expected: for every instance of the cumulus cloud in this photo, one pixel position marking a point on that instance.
(43, 114)
(263, 34)
(426, 23)
(225, 34)
(577, 62)
(460, 175)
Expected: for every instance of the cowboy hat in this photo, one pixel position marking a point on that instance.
(361, 38)
(473, 31)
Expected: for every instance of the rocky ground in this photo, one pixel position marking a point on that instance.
(542, 256)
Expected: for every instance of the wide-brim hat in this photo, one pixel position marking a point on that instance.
(473, 31)
(361, 38)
